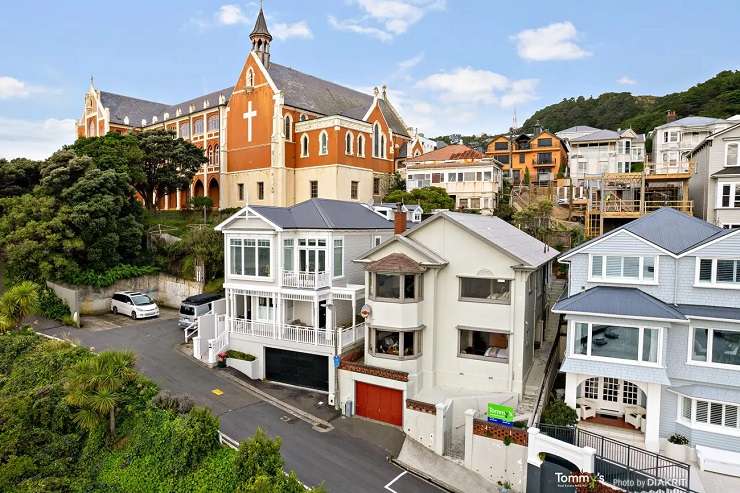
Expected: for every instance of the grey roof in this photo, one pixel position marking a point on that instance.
(512, 240)
(327, 98)
(692, 121)
(260, 26)
(607, 369)
(412, 207)
(579, 128)
(728, 171)
(324, 214)
(721, 312)
(618, 301)
(597, 135)
(711, 392)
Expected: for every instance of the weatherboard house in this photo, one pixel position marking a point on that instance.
(276, 137)
(653, 312)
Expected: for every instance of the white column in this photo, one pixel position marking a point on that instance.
(167, 201)
(571, 389)
(179, 205)
(315, 319)
(652, 416)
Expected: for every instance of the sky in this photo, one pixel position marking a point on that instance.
(451, 66)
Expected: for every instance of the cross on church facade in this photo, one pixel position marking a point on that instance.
(248, 116)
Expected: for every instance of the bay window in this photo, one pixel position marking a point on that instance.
(720, 417)
(718, 272)
(400, 288)
(249, 257)
(628, 343)
(395, 343)
(715, 346)
(486, 290)
(623, 268)
(483, 344)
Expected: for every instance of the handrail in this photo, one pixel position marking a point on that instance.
(550, 374)
(191, 330)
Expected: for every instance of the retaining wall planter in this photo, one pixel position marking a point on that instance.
(249, 368)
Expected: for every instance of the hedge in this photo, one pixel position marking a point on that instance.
(111, 276)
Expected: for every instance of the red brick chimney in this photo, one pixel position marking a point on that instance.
(399, 222)
(670, 116)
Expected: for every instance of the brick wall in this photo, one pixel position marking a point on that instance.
(422, 407)
(498, 432)
(401, 376)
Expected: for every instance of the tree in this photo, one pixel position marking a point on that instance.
(167, 164)
(18, 176)
(527, 177)
(535, 219)
(397, 183)
(17, 303)
(504, 210)
(202, 202)
(429, 198)
(96, 387)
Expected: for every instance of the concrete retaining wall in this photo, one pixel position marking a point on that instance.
(168, 291)
(420, 426)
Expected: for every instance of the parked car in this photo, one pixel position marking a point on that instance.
(134, 304)
(195, 306)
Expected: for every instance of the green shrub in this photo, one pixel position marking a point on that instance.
(678, 439)
(559, 413)
(110, 276)
(69, 321)
(214, 285)
(232, 353)
(52, 306)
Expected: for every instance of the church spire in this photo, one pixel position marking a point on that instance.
(261, 38)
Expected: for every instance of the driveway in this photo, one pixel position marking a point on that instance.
(343, 461)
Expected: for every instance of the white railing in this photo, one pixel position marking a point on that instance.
(353, 334)
(217, 345)
(310, 280)
(285, 332)
(191, 331)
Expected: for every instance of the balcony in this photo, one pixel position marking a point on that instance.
(315, 336)
(305, 280)
(544, 162)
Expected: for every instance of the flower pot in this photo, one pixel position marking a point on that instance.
(249, 368)
(676, 451)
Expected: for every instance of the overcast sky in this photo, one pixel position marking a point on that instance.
(451, 66)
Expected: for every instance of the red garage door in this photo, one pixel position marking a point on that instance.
(381, 403)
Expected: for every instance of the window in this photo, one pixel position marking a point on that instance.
(288, 255)
(475, 203)
(544, 142)
(729, 195)
(250, 77)
(314, 188)
(382, 146)
(377, 240)
(485, 290)
(483, 344)
(260, 190)
(361, 145)
(312, 255)
(265, 308)
(674, 137)
(378, 141)
(710, 415)
(544, 158)
(616, 342)
(216, 155)
(716, 272)
(323, 143)
(303, 117)
(353, 187)
(463, 203)
(289, 128)
(213, 123)
(591, 388)
(185, 130)
(468, 176)
(240, 191)
(304, 145)
(338, 257)
(376, 186)
(249, 257)
(399, 344)
(209, 154)
(522, 158)
(503, 158)
(716, 346)
(403, 288)
(732, 156)
(348, 139)
(501, 146)
(451, 177)
(623, 268)
(198, 126)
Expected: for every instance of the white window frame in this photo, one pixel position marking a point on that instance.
(710, 343)
(288, 126)
(361, 145)
(256, 238)
(727, 149)
(623, 280)
(304, 152)
(349, 139)
(249, 79)
(708, 427)
(734, 190)
(323, 143)
(713, 283)
(377, 240)
(637, 362)
(341, 265)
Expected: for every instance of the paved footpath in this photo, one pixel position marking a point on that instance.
(345, 463)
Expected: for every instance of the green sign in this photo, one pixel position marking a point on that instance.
(499, 412)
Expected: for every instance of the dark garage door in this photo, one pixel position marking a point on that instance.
(294, 368)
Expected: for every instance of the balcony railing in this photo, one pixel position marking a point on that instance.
(307, 280)
(615, 205)
(296, 333)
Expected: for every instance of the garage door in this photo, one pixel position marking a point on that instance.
(294, 368)
(380, 403)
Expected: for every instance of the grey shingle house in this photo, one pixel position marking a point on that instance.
(653, 311)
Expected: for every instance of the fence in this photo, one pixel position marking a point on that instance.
(628, 467)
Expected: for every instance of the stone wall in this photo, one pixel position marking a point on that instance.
(166, 290)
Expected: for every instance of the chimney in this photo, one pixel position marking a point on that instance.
(399, 221)
(670, 116)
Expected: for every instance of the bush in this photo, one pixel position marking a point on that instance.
(678, 439)
(52, 306)
(559, 413)
(231, 353)
(110, 276)
(177, 403)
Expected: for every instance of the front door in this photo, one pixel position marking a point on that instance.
(322, 314)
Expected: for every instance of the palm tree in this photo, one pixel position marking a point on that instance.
(95, 386)
(17, 303)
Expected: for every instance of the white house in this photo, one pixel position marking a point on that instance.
(454, 309)
(389, 210)
(604, 151)
(293, 295)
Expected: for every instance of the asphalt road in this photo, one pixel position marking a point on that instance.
(343, 462)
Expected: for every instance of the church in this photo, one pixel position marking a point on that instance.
(277, 137)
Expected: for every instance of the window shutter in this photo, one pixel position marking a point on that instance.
(597, 264)
(613, 266)
(730, 416)
(715, 415)
(702, 411)
(705, 269)
(631, 267)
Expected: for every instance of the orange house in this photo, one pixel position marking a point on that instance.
(541, 153)
(277, 137)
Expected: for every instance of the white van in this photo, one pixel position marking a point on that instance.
(196, 306)
(134, 304)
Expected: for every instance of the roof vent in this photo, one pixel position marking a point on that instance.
(206, 104)
(191, 108)
(154, 119)
(178, 112)
(125, 120)
(221, 99)
(166, 116)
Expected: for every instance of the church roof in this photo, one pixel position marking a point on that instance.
(260, 27)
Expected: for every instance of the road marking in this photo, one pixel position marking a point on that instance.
(217, 391)
(388, 486)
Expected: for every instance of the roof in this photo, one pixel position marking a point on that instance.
(260, 26)
(618, 301)
(579, 128)
(396, 263)
(200, 299)
(512, 240)
(327, 98)
(702, 311)
(324, 214)
(693, 121)
(598, 135)
(430, 258)
(453, 151)
(666, 228)
(607, 369)
(728, 171)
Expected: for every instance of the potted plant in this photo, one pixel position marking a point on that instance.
(221, 359)
(677, 447)
(245, 363)
(507, 440)
(504, 486)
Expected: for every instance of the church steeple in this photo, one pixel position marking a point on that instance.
(261, 38)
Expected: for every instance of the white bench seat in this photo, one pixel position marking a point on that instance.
(718, 460)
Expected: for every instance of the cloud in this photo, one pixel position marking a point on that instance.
(553, 42)
(230, 14)
(476, 86)
(283, 30)
(11, 87)
(626, 81)
(410, 63)
(385, 19)
(34, 139)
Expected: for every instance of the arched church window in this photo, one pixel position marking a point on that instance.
(304, 145)
(376, 140)
(361, 145)
(348, 139)
(216, 155)
(303, 117)
(323, 143)
(288, 127)
(250, 77)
